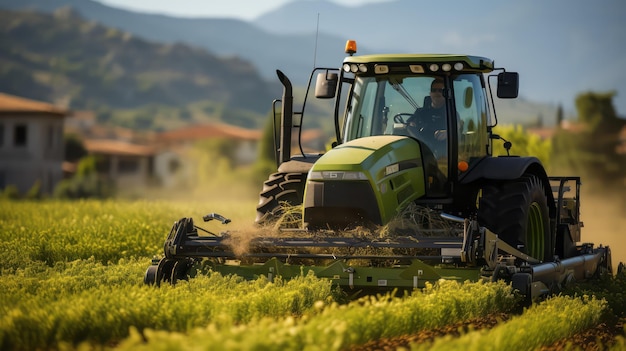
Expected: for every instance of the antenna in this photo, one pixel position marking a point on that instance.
(317, 32)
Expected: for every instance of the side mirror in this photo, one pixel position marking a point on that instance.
(508, 85)
(326, 85)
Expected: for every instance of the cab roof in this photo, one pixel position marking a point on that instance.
(474, 62)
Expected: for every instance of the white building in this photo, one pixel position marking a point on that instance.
(31, 143)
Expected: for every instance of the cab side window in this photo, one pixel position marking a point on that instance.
(471, 107)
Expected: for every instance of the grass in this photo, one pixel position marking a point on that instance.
(71, 277)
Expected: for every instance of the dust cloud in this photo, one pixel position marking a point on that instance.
(604, 216)
(239, 241)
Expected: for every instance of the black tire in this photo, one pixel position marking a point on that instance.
(522, 282)
(164, 272)
(157, 273)
(278, 189)
(180, 270)
(150, 278)
(168, 270)
(517, 211)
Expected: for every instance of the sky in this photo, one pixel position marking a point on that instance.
(560, 86)
(239, 9)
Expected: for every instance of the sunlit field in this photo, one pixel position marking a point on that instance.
(71, 277)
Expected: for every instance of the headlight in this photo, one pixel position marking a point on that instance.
(391, 169)
(381, 69)
(416, 68)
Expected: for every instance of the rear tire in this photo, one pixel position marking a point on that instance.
(280, 189)
(517, 211)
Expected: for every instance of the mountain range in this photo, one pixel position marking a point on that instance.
(561, 48)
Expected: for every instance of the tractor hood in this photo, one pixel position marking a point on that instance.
(365, 180)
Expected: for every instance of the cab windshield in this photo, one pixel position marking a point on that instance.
(400, 105)
(417, 106)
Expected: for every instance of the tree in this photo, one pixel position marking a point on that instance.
(559, 116)
(86, 183)
(524, 143)
(267, 148)
(74, 148)
(266, 160)
(596, 111)
(591, 149)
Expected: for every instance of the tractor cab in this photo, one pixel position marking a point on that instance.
(440, 100)
(446, 115)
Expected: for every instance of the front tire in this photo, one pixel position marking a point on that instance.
(278, 190)
(517, 211)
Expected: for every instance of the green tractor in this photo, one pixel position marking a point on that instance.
(412, 131)
(380, 164)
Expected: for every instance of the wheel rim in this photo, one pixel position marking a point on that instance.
(535, 232)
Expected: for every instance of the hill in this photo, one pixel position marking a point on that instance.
(62, 58)
(292, 53)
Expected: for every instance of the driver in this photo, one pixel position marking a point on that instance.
(429, 122)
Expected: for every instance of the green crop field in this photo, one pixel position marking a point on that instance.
(71, 277)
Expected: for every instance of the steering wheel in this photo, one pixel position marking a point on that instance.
(399, 118)
(412, 130)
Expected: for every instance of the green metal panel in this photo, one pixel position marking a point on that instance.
(352, 278)
(363, 153)
(392, 165)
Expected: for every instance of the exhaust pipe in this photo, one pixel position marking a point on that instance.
(286, 125)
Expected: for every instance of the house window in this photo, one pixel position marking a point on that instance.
(128, 165)
(20, 135)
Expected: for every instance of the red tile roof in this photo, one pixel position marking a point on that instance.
(117, 147)
(543, 133)
(10, 104)
(210, 131)
(312, 135)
